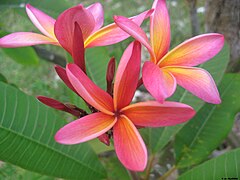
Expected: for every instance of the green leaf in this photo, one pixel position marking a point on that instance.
(210, 126)
(23, 55)
(27, 130)
(158, 138)
(2, 78)
(96, 61)
(224, 166)
(10, 172)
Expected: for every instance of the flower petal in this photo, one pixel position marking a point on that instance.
(112, 34)
(159, 82)
(160, 32)
(21, 39)
(127, 76)
(64, 25)
(89, 91)
(194, 51)
(78, 48)
(135, 31)
(97, 11)
(84, 129)
(155, 114)
(63, 75)
(198, 81)
(129, 145)
(42, 21)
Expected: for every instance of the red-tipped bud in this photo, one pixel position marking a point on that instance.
(104, 138)
(110, 74)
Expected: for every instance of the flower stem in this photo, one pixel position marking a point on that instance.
(168, 173)
(133, 175)
(149, 167)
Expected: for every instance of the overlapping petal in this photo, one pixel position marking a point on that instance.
(127, 76)
(89, 91)
(21, 39)
(160, 32)
(64, 26)
(78, 47)
(63, 75)
(194, 51)
(96, 10)
(129, 145)
(84, 129)
(135, 31)
(112, 34)
(41, 20)
(160, 83)
(198, 81)
(155, 114)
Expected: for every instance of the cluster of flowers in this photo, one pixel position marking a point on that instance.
(112, 114)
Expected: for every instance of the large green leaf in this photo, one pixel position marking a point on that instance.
(210, 126)
(27, 131)
(96, 61)
(159, 137)
(23, 55)
(11, 172)
(225, 166)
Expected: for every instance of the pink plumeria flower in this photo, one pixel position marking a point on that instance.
(60, 32)
(117, 114)
(166, 69)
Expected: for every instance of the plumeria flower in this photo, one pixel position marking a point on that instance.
(117, 115)
(60, 32)
(166, 69)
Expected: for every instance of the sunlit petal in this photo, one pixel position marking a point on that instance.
(160, 83)
(112, 34)
(85, 128)
(129, 145)
(41, 20)
(89, 91)
(127, 76)
(194, 51)
(135, 31)
(64, 26)
(160, 29)
(21, 39)
(155, 114)
(97, 11)
(198, 81)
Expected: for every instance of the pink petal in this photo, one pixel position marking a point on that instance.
(112, 34)
(89, 91)
(129, 145)
(63, 75)
(194, 51)
(160, 32)
(78, 48)
(198, 81)
(84, 129)
(159, 82)
(64, 26)
(135, 31)
(42, 21)
(155, 114)
(97, 11)
(21, 39)
(127, 76)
